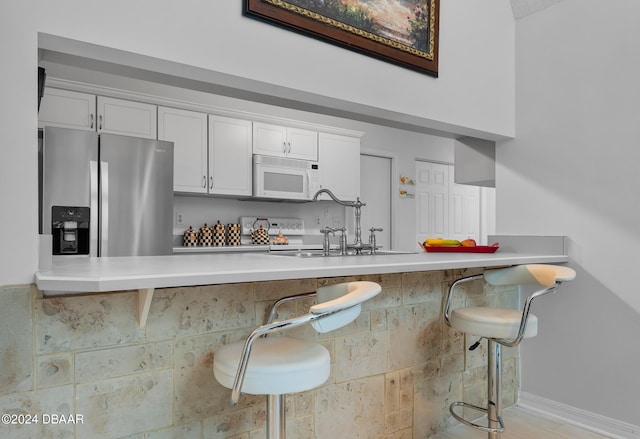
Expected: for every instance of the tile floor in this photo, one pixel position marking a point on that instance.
(524, 424)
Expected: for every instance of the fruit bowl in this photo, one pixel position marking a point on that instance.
(460, 249)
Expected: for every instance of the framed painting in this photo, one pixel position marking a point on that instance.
(403, 32)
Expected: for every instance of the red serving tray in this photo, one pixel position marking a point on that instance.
(477, 249)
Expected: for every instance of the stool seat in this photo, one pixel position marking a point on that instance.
(278, 365)
(500, 323)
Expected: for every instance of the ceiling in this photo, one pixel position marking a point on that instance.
(522, 8)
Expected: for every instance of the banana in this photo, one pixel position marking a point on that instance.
(440, 242)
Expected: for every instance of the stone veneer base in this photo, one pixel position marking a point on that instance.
(395, 370)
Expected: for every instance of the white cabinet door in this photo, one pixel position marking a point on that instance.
(129, 118)
(269, 139)
(230, 150)
(339, 163)
(188, 132)
(302, 144)
(280, 141)
(67, 109)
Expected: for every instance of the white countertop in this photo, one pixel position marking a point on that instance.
(86, 275)
(221, 249)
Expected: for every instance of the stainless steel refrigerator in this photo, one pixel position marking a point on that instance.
(106, 195)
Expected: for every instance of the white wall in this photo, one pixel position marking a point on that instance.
(475, 88)
(572, 170)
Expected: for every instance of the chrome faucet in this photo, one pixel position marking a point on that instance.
(326, 244)
(372, 239)
(357, 205)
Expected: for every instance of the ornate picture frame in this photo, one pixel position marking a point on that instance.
(405, 33)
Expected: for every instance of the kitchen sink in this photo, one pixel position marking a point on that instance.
(301, 253)
(319, 253)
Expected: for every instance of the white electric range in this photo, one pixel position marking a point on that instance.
(291, 228)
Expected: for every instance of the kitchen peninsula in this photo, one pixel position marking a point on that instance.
(69, 276)
(394, 370)
(74, 275)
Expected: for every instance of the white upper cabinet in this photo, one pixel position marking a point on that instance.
(302, 144)
(128, 118)
(84, 111)
(67, 109)
(188, 132)
(339, 163)
(230, 156)
(283, 141)
(212, 154)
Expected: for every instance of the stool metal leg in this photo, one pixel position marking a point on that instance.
(494, 426)
(494, 390)
(276, 423)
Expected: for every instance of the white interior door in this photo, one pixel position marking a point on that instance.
(375, 190)
(464, 211)
(432, 200)
(443, 208)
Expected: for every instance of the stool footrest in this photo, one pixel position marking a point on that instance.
(472, 424)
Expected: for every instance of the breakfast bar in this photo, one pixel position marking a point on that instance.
(72, 276)
(394, 370)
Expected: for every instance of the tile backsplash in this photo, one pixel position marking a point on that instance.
(395, 370)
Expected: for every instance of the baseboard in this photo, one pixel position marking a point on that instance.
(603, 425)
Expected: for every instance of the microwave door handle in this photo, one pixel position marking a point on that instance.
(104, 204)
(93, 208)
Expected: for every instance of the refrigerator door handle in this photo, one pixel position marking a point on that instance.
(104, 203)
(93, 205)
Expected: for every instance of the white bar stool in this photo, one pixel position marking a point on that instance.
(276, 366)
(501, 327)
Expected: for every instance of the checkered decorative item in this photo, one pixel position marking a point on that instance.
(218, 234)
(205, 237)
(233, 234)
(260, 237)
(190, 237)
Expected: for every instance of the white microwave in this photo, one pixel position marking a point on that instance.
(284, 179)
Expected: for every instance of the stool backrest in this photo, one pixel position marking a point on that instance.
(546, 275)
(341, 303)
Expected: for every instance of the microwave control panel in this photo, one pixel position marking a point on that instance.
(314, 180)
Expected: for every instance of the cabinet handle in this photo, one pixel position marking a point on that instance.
(210, 182)
(284, 147)
(91, 115)
(100, 126)
(204, 181)
(289, 150)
